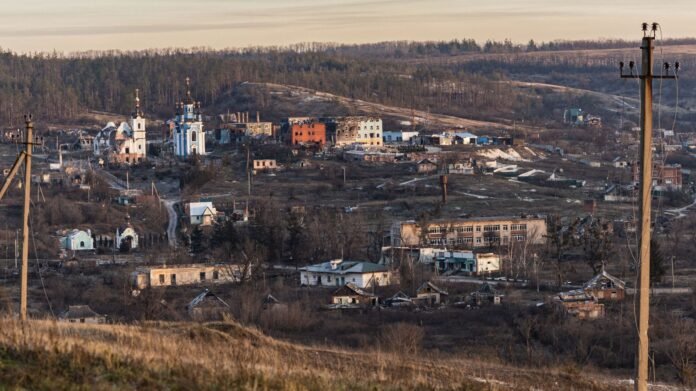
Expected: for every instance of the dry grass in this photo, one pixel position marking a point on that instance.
(224, 355)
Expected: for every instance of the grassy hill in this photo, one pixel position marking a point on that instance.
(224, 355)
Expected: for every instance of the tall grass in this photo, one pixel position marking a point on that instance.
(43, 354)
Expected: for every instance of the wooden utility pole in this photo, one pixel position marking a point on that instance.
(646, 123)
(28, 136)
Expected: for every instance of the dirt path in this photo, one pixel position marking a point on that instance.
(384, 110)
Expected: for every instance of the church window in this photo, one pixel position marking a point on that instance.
(193, 136)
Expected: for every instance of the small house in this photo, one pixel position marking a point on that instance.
(350, 294)
(202, 213)
(429, 294)
(81, 314)
(426, 166)
(264, 165)
(580, 304)
(486, 294)
(605, 287)
(207, 306)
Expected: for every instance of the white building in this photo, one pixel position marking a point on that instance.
(126, 234)
(188, 133)
(338, 272)
(202, 213)
(156, 276)
(398, 136)
(125, 143)
(77, 240)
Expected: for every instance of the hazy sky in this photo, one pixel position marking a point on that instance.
(75, 25)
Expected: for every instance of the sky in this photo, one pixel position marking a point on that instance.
(81, 25)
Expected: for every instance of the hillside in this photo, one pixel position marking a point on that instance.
(225, 355)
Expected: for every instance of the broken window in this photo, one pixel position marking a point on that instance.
(161, 278)
(215, 275)
(172, 279)
(202, 276)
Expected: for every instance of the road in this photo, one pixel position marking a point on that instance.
(171, 226)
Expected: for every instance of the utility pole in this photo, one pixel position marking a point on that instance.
(646, 123)
(28, 136)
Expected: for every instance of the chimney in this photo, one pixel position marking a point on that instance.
(443, 184)
(258, 117)
(239, 117)
(247, 117)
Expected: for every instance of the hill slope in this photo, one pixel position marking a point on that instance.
(225, 355)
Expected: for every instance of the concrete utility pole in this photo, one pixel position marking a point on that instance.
(646, 123)
(25, 230)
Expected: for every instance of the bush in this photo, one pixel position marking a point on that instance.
(402, 338)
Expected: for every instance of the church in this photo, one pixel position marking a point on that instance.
(126, 143)
(188, 133)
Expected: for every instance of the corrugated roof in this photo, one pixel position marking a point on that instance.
(599, 280)
(346, 267)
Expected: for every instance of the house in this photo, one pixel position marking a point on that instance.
(426, 166)
(399, 136)
(202, 213)
(123, 144)
(190, 274)
(350, 294)
(580, 304)
(339, 272)
(188, 133)
(81, 314)
(207, 306)
(605, 287)
(473, 232)
(77, 240)
(126, 237)
(264, 165)
(429, 294)
(486, 294)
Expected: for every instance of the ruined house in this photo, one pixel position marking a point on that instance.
(486, 294)
(352, 296)
(207, 306)
(580, 304)
(430, 295)
(605, 287)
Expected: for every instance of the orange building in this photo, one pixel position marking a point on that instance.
(308, 133)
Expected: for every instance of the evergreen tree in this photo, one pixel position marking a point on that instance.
(657, 262)
(197, 241)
